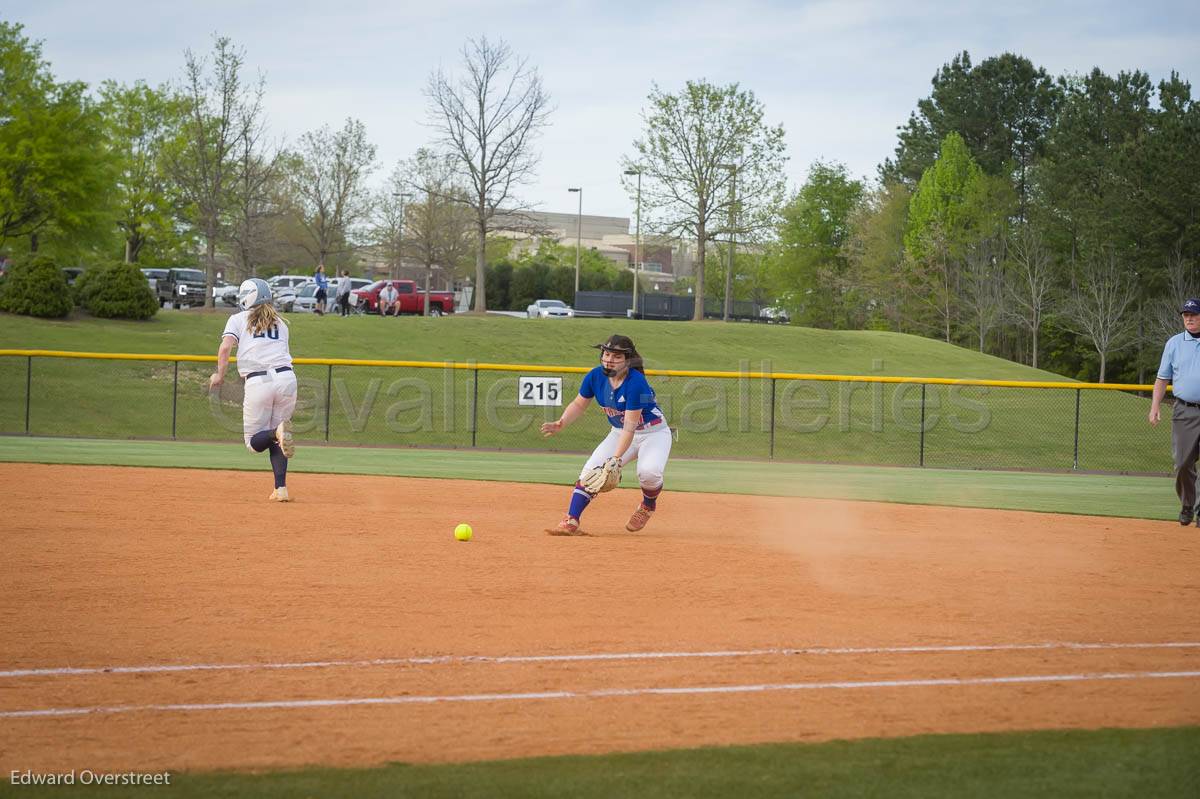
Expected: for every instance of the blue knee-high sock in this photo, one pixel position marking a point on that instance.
(261, 440)
(278, 465)
(650, 497)
(579, 501)
(265, 440)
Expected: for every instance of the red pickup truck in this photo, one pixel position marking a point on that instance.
(409, 298)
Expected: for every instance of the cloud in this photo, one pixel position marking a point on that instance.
(840, 76)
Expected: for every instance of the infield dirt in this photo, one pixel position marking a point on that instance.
(123, 567)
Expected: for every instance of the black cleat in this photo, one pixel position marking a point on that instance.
(1185, 517)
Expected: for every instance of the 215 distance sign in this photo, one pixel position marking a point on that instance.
(539, 391)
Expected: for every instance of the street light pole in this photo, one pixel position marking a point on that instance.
(578, 235)
(400, 236)
(637, 247)
(732, 242)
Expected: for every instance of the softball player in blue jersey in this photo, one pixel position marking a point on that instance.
(265, 362)
(639, 431)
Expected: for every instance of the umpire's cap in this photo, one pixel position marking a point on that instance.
(1191, 306)
(621, 344)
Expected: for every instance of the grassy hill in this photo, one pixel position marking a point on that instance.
(497, 339)
(801, 421)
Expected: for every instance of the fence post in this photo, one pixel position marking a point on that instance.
(328, 400)
(1075, 461)
(474, 403)
(922, 456)
(175, 401)
(28, 384)
(771, 425)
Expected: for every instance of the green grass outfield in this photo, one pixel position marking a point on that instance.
(1110, 763)
(1101, 495)
(996, 428)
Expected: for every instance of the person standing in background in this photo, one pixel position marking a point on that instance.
(343, 293)
(1180, 367)
(322, 288)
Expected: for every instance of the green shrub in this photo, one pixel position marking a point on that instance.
(85, 284)
(116, 291)
(36, 288)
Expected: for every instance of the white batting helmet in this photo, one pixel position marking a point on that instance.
(253, 292)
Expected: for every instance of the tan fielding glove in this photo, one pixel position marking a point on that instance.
(603, 478)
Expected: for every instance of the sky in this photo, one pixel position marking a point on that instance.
(840, 76)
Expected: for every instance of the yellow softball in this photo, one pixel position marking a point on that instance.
(463, 532)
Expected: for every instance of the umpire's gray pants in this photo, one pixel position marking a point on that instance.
(1185, 442)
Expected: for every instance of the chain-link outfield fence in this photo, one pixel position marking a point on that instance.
(973, 424)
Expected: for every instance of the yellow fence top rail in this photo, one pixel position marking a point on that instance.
(532, 368)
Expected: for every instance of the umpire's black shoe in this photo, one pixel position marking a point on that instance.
(1185, 517)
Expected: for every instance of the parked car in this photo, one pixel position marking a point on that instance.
(550, 309)
(306, 297)
(226, 294)
(71, 274)
(181, 288)
(412, 300)
(153, 276)
(283, 290)
(775, 314)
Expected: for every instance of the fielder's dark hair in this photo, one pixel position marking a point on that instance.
(624, 345)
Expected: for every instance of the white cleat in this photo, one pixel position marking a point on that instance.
(280, 495)
(283, 435)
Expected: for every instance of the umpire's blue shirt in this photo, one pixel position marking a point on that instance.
(1181, 365)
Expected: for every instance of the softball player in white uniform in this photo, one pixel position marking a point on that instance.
(265, 363)
(638, 430)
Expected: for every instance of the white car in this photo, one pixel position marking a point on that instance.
(550, 309)
(226, 294)
(306, 295)
(284, 288)
(776, 315)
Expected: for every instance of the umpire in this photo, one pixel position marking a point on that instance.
(1180, 366)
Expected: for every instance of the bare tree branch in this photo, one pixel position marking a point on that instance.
(695, 147)
(1099, 304)
(1029, 283)
(328, 179)
(488, 120)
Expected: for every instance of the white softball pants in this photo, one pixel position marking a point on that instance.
(650, 447)
(268, 400)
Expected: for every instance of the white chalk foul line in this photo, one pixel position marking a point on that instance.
(438, 659)
(598, 694)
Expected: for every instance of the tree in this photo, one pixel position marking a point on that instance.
(437, 223)
(1029, 283)
(1100, 303)
(220, 107)
(489, 120)
(256, 198)
(940, 217)
(1084, 181)
(55, 170)
(1002, 109)
(875, 256)
(695, 145)
(1162, 172)
(1183, 283)
(983, 287)
(141, 123)
(809, 255)
(328, 181)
